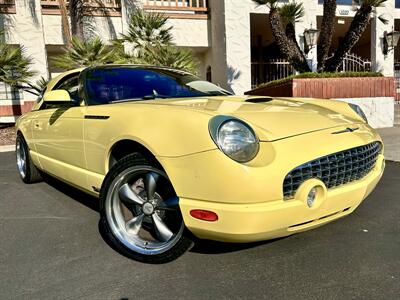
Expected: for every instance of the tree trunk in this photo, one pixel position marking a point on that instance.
(357, 27)
(327, 31)
(291, 35)
(288, 47)
(64, 22)
(76, 15)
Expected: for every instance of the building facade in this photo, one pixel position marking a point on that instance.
(231, 38)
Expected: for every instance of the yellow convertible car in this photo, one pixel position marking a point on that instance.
(173, 158)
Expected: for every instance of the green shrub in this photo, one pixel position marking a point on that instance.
(321, 75)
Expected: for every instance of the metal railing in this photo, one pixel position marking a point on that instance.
(273, 69)
(397, 80)
(7, 6)
(190, 9)
(354, 63)
(91, 7)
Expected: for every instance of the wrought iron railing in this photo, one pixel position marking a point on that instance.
(397, 80)
(355, 63)
(273, 69)
(91, 7)
(184, 9)
(7, 6)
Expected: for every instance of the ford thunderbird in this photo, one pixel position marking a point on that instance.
(174, 159)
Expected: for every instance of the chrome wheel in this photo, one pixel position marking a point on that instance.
(21, 158)
(142, 211)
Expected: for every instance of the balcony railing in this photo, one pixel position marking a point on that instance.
(91, 7)
(7, 6)
(180, 9)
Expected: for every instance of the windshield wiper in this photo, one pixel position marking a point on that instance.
(218, 93)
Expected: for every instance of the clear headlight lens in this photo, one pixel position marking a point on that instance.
(358, 111)
(236, 139)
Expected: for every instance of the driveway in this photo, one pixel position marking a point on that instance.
(50, 248)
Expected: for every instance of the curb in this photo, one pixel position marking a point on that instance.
(7, 148)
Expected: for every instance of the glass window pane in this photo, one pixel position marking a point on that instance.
(113, 84)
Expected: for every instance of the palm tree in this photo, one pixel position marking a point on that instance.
(288, 46)
(84, 54)
(327, 31)
(76, 10)
(37, 87)
(357, 27)
(170, 56)
(151, 40)
(291, 13)
(14, 64)
(147, 29)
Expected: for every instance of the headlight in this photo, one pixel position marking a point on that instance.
(234, 137)
(358, 111)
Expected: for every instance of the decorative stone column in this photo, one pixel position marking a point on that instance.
(231, 44)
(381, 62)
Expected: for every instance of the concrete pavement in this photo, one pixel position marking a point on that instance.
(50, 248)
(391, 140)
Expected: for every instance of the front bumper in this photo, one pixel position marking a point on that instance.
(262, 221)
(248, 198)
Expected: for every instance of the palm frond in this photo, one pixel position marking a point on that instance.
(291, 12)
(14, 65)
(38, 87)
(84, 53)
(148, 29)
(169, 56)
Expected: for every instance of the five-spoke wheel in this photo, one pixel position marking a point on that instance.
(141, 211)
(26, 169)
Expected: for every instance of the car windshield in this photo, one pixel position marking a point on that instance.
(120, 84)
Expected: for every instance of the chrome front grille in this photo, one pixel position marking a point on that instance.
(335, 169)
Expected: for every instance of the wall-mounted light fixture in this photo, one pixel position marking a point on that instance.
(310, 39)
(390, 41)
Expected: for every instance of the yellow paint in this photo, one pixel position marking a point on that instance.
(57, 96)
(248, 198)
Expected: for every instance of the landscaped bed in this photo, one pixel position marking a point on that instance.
(7, 134)
(329, 86)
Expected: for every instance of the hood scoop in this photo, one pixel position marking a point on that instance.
(259, 99)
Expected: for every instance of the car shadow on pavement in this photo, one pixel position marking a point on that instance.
(74, 193)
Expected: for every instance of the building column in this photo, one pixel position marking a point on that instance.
(309, 20)
(231, 44)
(381, 62)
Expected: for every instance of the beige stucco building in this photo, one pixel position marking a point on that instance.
(231, 38)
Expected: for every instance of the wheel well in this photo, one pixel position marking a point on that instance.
(126, 147)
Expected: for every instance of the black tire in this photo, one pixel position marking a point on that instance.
(28, 172)
(136, 161)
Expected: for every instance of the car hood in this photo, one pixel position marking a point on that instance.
(276, 118)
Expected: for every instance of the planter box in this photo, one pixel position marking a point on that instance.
(9, 111)
(331, 88)
(375, 95)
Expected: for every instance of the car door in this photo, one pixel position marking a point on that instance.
(58, 135)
